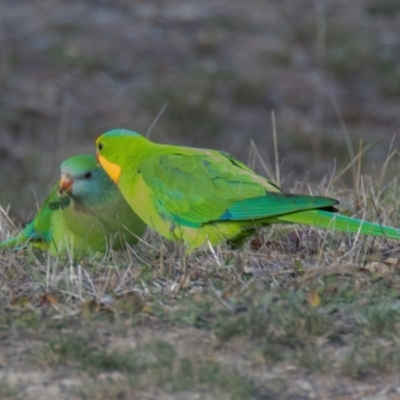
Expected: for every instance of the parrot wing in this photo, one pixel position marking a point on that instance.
(196, 189)
(39, 229)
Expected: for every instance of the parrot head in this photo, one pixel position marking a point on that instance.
(83, 180)
(112, 148)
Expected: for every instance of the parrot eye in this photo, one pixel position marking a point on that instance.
(100, 146)
(88, 175)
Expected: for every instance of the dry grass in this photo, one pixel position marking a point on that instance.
(295, 311)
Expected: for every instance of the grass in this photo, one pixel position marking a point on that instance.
(158, 320)
(265, 318)
(155, 365)
(7, 392)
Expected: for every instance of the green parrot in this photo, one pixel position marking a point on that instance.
(201, 195)
(84, 211)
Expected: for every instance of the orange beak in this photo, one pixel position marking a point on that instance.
(98, 159)
(65, 184)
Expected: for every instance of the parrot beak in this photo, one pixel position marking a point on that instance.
(65, 184)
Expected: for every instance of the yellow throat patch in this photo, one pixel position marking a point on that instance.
(113, 170)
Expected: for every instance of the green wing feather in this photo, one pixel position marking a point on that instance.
(197, 189)
(38, 231)
(274, 204)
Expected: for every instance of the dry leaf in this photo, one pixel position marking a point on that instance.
(48, 299)
(314, 300)
(228, 293)
(256, 243)
(147, 309)
(377, 268)
(340, 251)
(392, 261)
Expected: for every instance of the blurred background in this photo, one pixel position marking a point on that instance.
(70, 70)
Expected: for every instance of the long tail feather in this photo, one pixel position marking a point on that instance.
(15, 242)
(27, 236)
(325, 219)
